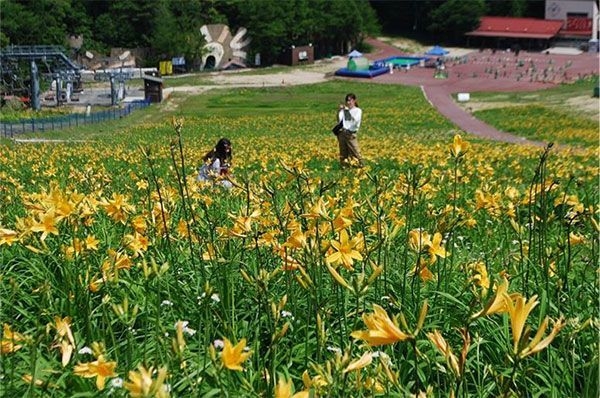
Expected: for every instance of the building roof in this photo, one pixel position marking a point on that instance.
(151, 78)
(529, 28)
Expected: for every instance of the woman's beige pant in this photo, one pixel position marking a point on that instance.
(348, 148)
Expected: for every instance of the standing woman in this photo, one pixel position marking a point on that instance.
(350, 115)
(217, 163)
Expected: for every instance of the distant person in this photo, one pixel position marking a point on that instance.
(350, 115)
(217, 164)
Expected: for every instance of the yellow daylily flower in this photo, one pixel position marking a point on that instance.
(137, 243)
(100, 369)
(318, 209)
(315, 382)
(518, 310)
(435, 247)
(297, 240)
(117, 208)
(381, 330)
(139, 224)
(8, 236)
(440, 343)
(341, 222)
(365, 360)
(497, 305)
(537, 344)
(344, 251)
(28, 379)
(459, 147)
(242, 225)
(284, 387)
(91, 243)
(64, 338)
(232, 357)
(424, 272)
(375, 385)
(418, 239)
(339, 278)
(46, 224)
(575, 239)
(268, 239)
(141, 384)
(10, 340)
(480, 276)
(210, 253)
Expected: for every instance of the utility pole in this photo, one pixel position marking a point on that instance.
(34, 92)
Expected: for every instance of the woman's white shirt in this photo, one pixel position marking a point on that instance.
(353, 123)
(209, 171)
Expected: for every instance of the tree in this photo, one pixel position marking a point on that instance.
(454, 18)
(340, 26)
(166, 36)
(26, 26)
(512, 8)
(369, 24)
(405, 17)
(268, 24)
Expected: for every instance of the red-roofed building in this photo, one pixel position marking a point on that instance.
(522, 28)
(508, 31)
(567, 21)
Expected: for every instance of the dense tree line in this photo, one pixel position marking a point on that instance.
(172, 28)
(446, 21)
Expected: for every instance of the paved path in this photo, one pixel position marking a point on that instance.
(439, 98)
(486, 71)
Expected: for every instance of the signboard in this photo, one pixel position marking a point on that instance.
(178, 61)
(579, 24)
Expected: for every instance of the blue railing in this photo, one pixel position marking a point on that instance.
(9, 130)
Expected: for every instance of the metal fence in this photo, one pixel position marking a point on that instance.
(9, 130)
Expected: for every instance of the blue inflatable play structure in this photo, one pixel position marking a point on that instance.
(359, 66)
(371, 71)
(437, 51)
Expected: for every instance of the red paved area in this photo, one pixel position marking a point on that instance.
(486, 71)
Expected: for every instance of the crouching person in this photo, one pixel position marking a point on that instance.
(217, 165)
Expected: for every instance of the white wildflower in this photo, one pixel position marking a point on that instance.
(218, 344)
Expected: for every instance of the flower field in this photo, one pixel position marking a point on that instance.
(448, 266)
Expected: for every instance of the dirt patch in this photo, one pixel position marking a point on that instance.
(585, 105)
(473, 106)
(270, 80)
(409, 46)
(404, 45)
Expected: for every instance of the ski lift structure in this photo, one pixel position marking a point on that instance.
(49, 62)
(117, 79)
